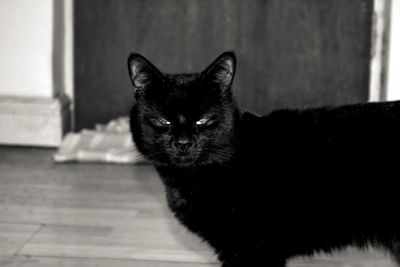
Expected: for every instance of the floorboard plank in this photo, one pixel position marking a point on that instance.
(79, 262)
(105, 215)
(146, 240)
(14, 236)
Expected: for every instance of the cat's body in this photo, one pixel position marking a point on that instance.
(260, 190)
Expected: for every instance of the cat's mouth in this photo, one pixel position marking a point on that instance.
(183, 159)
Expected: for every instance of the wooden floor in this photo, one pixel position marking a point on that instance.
(104, 215)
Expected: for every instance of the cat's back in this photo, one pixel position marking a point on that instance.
(323, 164)
(337, 146)
(350, 127)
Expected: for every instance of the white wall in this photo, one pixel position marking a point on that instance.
(35, 56)
(393, 79)
(26, 43)
(68, 49)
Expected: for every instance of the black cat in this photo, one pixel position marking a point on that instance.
(260, 190)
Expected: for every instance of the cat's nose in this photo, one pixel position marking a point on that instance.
(182, 142)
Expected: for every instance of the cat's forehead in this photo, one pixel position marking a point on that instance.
(182, 79)
(183, 88)
(184, 95)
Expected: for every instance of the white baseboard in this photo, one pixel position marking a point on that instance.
(33, 121)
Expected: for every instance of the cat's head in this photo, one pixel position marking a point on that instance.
(184, 120)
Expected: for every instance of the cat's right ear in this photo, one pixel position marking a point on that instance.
(222, 71)
(142, 72)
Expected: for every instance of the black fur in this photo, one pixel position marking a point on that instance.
(260, 190)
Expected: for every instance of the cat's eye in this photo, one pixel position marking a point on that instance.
(207, 120)
(164, 121)
(202, 121)
(160, 122)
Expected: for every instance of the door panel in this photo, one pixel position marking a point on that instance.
(290, 53)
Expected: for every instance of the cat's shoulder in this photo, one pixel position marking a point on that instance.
(359, 112)
(249, 117)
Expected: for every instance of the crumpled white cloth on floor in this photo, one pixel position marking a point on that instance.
(110, 143)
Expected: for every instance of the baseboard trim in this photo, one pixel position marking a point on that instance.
(34, 121)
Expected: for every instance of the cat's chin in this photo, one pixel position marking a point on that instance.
(183, 161)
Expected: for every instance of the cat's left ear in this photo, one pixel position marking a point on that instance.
(222, 70)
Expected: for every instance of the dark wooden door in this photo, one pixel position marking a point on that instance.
(291, 53)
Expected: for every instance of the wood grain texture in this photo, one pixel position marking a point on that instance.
(14, 236)
(106, 215)
(144, 240)
(23, 261)
(290, 53)
(92, 210)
